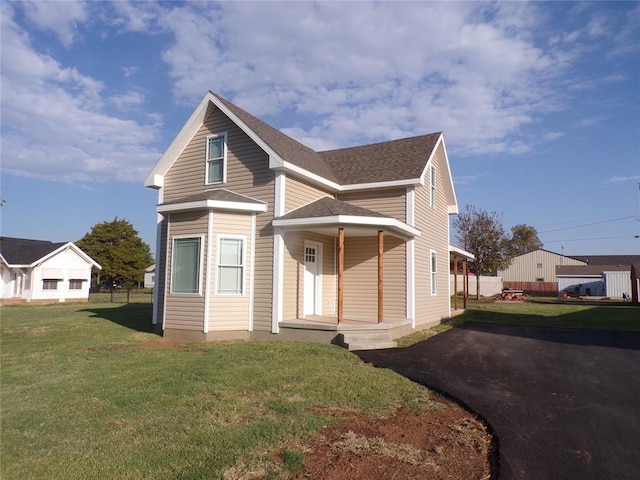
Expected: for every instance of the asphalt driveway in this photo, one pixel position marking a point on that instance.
(563, 403)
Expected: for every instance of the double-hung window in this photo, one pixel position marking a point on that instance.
(434, 273)
(231, 257)
(185, 274)
(49, 284)
(432, 181)
(75, 284)
(216, 158)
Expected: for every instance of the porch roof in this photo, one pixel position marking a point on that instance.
(327, 213)
(219, 198)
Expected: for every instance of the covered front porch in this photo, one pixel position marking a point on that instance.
(337, 260)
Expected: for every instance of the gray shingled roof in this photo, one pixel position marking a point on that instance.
(289, 149)
(219, 194)
(579, 270)
(378, 162)
(22, 251)
(626, 260)
(330, 207)
(385, 161)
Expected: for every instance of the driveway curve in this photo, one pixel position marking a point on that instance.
(563, 403)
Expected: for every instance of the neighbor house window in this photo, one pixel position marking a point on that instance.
(49, 284)
(230, 265)
(75, 284)
(185, 271)
(216, 158)
(434, 273)
(432, 180)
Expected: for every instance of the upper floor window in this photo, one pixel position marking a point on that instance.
(216, 158)
(432, 180)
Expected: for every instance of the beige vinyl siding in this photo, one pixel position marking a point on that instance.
(230, 312)
(248, 173)
(433, 224)
(361, 278)
(186, 312)
(524, 268)
(391, 202)
(299, 193)
(293, 304)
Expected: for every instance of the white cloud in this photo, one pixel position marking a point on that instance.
(368, 71)
(54, 127)
(632, 178)
(59, 17)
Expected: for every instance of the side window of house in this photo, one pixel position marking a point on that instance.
(48, 284)
(434, 273)
(216, 159)
(185, 267)
(231, 257)
(432, 180)
(75, 284)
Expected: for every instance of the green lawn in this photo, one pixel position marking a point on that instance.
(89, 392)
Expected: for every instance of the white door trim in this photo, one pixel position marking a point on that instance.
(316, 308)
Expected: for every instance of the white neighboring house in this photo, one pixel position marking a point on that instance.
(150, 276)
(37, 271)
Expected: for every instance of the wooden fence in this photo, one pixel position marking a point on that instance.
(534, 289)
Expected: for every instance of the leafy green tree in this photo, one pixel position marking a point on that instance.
(481, 233)
(117, 247)
(524, 239)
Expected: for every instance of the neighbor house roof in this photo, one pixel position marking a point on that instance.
(625, 260)
(22, 252)
(589, 270)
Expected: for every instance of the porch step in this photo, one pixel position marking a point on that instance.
(367, 341)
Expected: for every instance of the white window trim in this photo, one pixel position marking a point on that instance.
(219, 237)
(432, 186)
(433, 274)
(200, 263)
(224, 160)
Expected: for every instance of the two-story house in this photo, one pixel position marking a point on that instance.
(261, 236)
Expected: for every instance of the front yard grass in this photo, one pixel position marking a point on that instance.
(89, 392)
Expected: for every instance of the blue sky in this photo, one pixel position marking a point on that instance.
(539, 102)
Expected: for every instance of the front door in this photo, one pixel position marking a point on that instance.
(312, 271)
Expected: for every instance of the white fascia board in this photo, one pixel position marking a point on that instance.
(461, 252)
(312, 177)
(371, 185)
(213, 205)
(155, 178)
(387, 222)
(336, 187)
(453, 206)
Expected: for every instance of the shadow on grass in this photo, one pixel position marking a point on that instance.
(136, 316)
